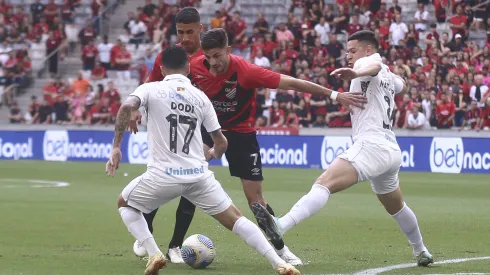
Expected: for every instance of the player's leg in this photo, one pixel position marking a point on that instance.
(183, 219)
(388, 191)
(143, 196)
(244, 162)
(213, 200)
(344, 172)
(149, 219)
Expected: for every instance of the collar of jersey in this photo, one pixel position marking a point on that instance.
(176, 76)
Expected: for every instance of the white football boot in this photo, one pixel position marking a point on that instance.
(175, 255)
(289, 257)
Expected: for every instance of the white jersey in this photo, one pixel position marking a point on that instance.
(176, 110)
(374, 122)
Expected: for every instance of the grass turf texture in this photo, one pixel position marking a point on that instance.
(77, 229)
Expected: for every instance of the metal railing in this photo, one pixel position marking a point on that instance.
(103, 15)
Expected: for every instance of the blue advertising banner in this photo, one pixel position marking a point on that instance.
(423, 154)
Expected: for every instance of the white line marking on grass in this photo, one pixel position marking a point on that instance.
(36, 183)
(375, 271)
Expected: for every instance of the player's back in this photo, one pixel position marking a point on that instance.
(176, 110)
(374, 123)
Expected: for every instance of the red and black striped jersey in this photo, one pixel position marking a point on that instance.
(156, 73)
(233, 93)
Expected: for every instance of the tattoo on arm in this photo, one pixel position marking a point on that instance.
(123, 117)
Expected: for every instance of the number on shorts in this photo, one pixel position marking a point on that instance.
(191, 121)
(254, 156)
(388, 113)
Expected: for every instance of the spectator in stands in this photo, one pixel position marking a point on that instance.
(283, 34)
(261, 24)
(485, 121)
(89, 56)
(50, 12)
(445, 112)
(80, 84)
(322, 30)
(416, 120)
(398, 31)
(458, 23)
(104, 50)
(60, 110)
(479, 92)
(37, 10)
(15, 116)
(137, 30)
(123, 64)
(473, 117)
(99, 72)
(44, 114)
(87, 34)
(261, 60)
(52, 45)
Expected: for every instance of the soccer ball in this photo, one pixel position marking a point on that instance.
(198, 251)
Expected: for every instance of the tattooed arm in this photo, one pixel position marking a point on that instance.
(123, 117)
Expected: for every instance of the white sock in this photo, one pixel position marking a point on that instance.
(306, 207)
(252, 235)
(408, 223)
(137, 226)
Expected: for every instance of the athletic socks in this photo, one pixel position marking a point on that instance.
(137, 226)
(149, 219)
(183, 219)
(251, 234)
(306, 207)
(408, 223)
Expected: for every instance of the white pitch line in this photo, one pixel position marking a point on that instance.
(375, 271)
(40, 183)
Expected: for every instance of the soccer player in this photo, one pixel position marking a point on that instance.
(230, 82)
(177, 165)
(375, 155)
(188, 24)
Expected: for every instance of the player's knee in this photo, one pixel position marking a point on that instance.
(339, 176)
(121, 202)
(228, 217)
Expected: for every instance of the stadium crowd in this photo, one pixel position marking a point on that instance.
(448, 73)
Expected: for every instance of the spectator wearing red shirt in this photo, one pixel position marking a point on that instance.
(95, 7)
(473, 117)
(284, 64)
(41, 28)
(403, 109)
(432, 38)
(383, 13)
(89, 56)
(67, 12)
(485, 121)
(445, 112)
(237, 29)
(114, 108)
(123, 63)
(87, 34)
(460, 69)
(354, 26)
(99, 72)
(51, 11)
(458, 22)
(51, 45)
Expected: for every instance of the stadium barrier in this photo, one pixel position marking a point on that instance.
(422, 154)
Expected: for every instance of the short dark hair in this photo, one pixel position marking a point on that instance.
(188, 15)
(365, 36)
(215, 38)
(174, 57)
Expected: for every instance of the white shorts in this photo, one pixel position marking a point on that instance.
(146, 195)
(375, 162)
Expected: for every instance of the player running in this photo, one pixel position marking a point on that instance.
(230, 82)
(177, 165)
(188, 24)
(375, 155)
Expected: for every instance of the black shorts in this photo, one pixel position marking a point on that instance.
(243, 154)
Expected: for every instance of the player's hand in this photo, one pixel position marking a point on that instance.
(210, 155)
(345, 73)
(355, 99)
(113, 163)
(134, 122)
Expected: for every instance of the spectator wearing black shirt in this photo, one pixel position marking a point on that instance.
(261, 24)
(61, 110)
(395, 7)
(304, 116)
(334, 47)
(149, 8)
(37, 10)
(15, 115)
(44, 113)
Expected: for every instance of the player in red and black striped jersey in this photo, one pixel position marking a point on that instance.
(229, 82)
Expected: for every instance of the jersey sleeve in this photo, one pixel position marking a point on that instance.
(142, 93)
(156, 73)
(210, 119)
(258, 77)
(364, 62)
(398, 84)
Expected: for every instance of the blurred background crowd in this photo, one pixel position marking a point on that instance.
(73, 61)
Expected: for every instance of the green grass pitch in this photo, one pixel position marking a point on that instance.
(77, 230)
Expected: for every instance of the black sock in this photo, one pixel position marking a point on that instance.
(149, 219)
(278, 245)
(183, 219)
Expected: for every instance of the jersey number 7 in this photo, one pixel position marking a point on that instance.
(175, 120)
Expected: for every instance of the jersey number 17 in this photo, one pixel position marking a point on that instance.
(175, 120)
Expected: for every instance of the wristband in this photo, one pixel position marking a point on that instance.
(334, 95)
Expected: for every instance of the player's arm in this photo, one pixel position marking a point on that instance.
(401, 86)
(220, 144)
(131, 104)
(211, 123)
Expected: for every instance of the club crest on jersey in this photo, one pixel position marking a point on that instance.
(180, 89)
(230, 93)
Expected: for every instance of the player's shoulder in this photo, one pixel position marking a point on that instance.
(363, 61)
